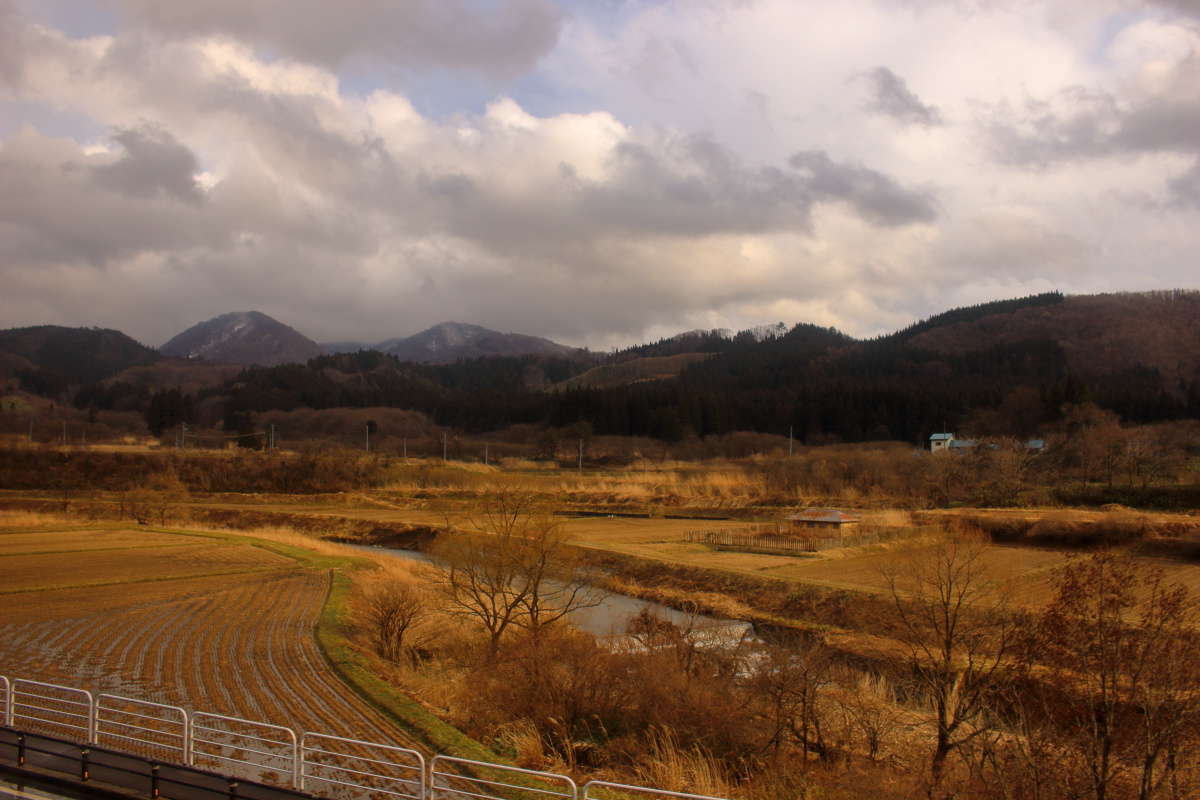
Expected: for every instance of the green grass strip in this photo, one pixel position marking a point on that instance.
(436, 734)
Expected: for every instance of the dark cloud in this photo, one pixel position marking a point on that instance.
(12, 34)
(154, 164)
(62, 205)
(891, 97)
(1081, 123)
(685, 187)
(55, 210)
(694, 186)
(875, 196)
(1191, 7)
(1186, 187)
(490, 36)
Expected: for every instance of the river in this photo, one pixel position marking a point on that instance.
(611, 616)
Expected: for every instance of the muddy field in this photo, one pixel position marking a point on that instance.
(175, 618)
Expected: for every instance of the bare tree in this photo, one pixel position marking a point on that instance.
(869, 705)
(555, 574)
(516, 571)
(1120, 645)
(483, 581)
(790, 680)
(958, 634)
(157, 496)
(392, 609)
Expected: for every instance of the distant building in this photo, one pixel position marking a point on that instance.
(821, 518)
(945, 442)
(940, 441)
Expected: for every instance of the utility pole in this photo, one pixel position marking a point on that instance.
(405, 441)
(443, 448)
(368, 437)
(272, 435)
(580, 457)
(485, 454)
(789, 441)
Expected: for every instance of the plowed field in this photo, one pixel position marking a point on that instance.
(198, 622)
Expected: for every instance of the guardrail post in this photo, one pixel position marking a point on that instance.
(20, 749)
(187, 739)
(189, 756)
(91, 734)
(6, 695)
(297, 776)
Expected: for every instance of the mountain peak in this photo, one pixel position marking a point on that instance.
(451, 341)
(243, 337)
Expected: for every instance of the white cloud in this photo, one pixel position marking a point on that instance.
(712, 165)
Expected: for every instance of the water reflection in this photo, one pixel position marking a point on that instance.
(614, 611)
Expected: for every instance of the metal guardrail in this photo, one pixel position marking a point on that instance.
(353, 764)
(269, 750)
(450, 784)
(596, 790)
(50, 708)
(143, 726)
(316, 763)
(53, 767)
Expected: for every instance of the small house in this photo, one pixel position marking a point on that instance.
(940, 442)
(828, 518)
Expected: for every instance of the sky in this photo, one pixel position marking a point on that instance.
(599, 172)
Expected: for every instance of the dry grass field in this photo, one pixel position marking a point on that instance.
(108, 565)
(206, 623)
(74, 541)
(1023, 571)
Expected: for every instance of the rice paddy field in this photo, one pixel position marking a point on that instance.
(210, 622)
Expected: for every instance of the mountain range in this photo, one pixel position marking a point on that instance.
(251, 337)
(1020, 360)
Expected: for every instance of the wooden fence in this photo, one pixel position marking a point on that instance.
(782, 544)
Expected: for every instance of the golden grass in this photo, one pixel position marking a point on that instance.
(98, 601)
(15, 519)
(184, 557)
(676, 768)
(71, 541)
(525, 465)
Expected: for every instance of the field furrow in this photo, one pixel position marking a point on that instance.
(167, 626)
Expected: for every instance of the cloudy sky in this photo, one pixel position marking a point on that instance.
(594, 171)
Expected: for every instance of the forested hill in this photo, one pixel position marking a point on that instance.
(1003, 368)
(779, 336)
(50, 359)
